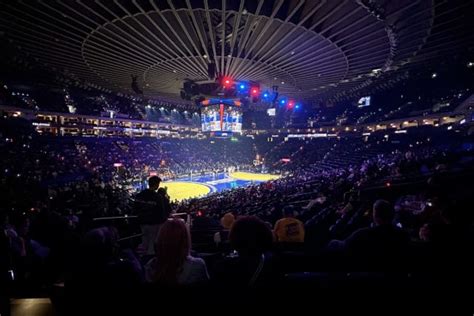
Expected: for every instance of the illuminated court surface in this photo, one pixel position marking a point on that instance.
(197, 186)
(249, 176)
(181, 190)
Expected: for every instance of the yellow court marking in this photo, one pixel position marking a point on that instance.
(178, 190)
(249, 176)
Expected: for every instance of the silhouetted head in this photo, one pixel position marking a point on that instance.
(383, 212)
(100, 244)
(250, 236)
(154, 182)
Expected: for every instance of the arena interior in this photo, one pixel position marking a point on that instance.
(162, 156)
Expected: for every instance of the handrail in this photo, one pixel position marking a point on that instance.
(178, 214)
(114, 217)
(125, 217)
(130, 237)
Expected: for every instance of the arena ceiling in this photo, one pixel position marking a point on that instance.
(309, 49)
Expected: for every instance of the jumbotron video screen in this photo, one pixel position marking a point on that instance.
(221, 118)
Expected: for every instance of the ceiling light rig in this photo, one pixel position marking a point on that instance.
(167, 43)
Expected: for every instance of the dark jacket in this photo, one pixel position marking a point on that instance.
(381, 247)
(151, 207)
(247, 271)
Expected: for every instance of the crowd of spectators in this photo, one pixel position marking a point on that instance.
(349, 204)
(91, 101)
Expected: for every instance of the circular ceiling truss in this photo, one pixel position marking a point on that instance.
(309, 49)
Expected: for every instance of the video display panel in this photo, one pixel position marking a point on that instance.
(221, 118)
(364, 101)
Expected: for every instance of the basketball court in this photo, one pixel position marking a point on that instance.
(198, 186)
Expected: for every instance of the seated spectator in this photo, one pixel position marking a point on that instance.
(448, 240)
(454, 232)
(203, 221)
(288, 228)
(382, 243)
(99, 268)
(173, 264)
(101, 265)
(251, 264)
(223, 236)
(28, 256)
(19, 236)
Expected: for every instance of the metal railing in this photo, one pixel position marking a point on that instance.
(127, 217)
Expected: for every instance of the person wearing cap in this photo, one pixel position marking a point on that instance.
(289, 228)
(223, 236)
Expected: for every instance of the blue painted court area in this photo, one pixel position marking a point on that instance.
(219, 182)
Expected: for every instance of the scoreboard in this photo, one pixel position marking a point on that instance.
(218, 115)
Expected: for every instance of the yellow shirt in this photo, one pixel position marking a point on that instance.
(289, 229)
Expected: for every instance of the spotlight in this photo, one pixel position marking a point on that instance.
(282, 101)
(265, 95)
(227, 82)
(254, 91)
(434, 75)
(242, 86)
